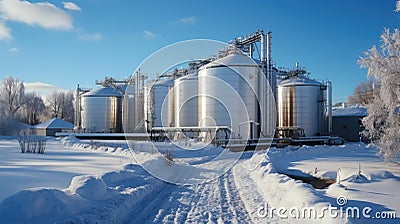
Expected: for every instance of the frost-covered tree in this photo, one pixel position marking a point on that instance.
(55, 101)
(33, 109)
(68, 111)
(12, 93)
(60, 105)
(383, 120)
(364, 93)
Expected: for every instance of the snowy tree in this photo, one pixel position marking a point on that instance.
(364, 93)
(33, 109)
(12, 93)
(55, 102)
(383, 120)
(60, 105)
(68, 111)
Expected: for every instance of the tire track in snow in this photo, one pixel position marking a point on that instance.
(231, 203)
(250, 195)
(217, 201)
(150, 207)
(169, 204)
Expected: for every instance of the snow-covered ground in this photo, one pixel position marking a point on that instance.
(83, 182)
(367, 178)
(53, 169)
(363, 180)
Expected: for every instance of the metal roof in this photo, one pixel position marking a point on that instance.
(102, 92)
(231, 60)
(55, 123)
(299, 81)
(349, 112)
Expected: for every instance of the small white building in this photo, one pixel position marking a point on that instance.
(50, 127)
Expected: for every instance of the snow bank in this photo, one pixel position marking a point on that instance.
(40, 206)
(363, 179)
(280, 191)
(117, 146)
(88, 198)
(90, 187)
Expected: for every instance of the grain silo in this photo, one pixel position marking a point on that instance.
(101, 110)
(303, 104)
(186, 101)
(228, 94)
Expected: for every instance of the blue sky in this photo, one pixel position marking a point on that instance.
(70, 43)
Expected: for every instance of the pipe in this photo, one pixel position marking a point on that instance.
(77, 108)
(329, 85)
(263, 41)
(262, 85)
(272, 79)
(136, 97)
(272, 84)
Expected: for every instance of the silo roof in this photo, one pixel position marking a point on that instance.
(299, 81)
(102, 92)
(231, 60)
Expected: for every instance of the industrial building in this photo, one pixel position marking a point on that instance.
(347, 122)
(52, 126)
(235, 94)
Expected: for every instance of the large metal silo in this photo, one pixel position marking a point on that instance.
(186, 101)
(228, 94)
(101, 110)
(301, 104)
(159, 104)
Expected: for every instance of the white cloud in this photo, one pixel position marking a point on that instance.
(14, 50)
(71, 6)
(43, 89)
(43, 14)
(90, 36)
(148, 34)
(188, 20)
(5, 32)
(32, 86)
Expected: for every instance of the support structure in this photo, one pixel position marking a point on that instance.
(79, 92)
(266, 97)
(139, 101)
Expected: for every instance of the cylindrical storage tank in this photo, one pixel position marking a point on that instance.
(186, 101)
(301, 104)
(227, 94)
(128, 110)
(160, 103)
(101, 110)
